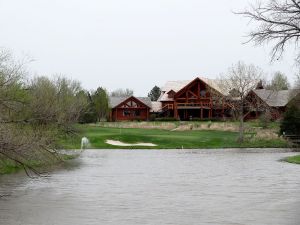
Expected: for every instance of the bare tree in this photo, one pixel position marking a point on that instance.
(32, 114)
(122, 93)
(58, 101)
(278, 22)
(27, 147)
(20, 144)
(238, 82)
(12, 93)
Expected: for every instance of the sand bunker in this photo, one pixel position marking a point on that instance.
(119, 143)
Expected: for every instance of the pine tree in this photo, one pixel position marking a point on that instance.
(154, 93)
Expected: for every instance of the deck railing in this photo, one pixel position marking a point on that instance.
(195, 105)
(167, 107)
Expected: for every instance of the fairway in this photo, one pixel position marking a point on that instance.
(164, 139)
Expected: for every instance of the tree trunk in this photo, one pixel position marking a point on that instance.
(241, 127)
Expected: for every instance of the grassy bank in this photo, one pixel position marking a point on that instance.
(167, 139)
(293, 159)
(8, 166)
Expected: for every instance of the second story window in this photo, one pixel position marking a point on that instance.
(203, 94)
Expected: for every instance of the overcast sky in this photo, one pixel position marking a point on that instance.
(134, 43)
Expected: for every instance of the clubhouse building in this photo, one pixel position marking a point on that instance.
(201, 98)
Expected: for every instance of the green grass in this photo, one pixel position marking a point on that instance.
(165, 139)
(8, 166)
(293, 159)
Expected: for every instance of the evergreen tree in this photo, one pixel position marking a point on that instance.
(291, 121)
(100, 102)
(154, 93)
(89, 114)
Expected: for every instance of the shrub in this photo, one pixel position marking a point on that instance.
(196, 119)
(264, 120)
(205, 119)
(152, 117)
(209, 124)
(166, 119)
(291, 121)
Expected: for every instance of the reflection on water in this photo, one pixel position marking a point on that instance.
(158, 187)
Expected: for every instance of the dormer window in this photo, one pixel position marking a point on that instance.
(171, 94)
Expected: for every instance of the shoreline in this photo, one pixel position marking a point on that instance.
(10, 167)
(292, 159)
(245, 150)
(67, 155)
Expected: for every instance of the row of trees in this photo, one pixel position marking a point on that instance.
(98, 109)
(33, 112)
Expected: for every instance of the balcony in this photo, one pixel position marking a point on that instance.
(198, 105)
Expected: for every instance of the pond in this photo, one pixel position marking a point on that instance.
(158, 187)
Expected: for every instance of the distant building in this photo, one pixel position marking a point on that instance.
(275, 102)
(129, 108)
(201, 98)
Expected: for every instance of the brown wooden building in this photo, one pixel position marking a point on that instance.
(270, 101)
(200, 98)
(129, 108)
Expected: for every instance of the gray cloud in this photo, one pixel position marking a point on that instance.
(134, 44)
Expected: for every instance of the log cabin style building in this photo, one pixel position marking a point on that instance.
(271, 101)
(199, 99)
(129, 108)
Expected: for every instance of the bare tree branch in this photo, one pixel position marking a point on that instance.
(278, 22)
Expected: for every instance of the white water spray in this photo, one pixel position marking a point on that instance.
(85, 143)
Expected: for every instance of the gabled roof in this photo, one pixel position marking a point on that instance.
(174, 85)
(213, 83)
(180, 84)
(171, 91)
(276, 98)
(115, 101)
(164, 97)
(156, 107)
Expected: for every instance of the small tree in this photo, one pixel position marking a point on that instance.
(154, 93)
(122, 93)
(278, 82)
(291, 121)
(89, 114)
(12, 87)
(238, 82)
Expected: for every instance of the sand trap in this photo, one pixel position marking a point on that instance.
(119, 143)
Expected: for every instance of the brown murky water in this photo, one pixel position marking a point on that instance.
(158, 187)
